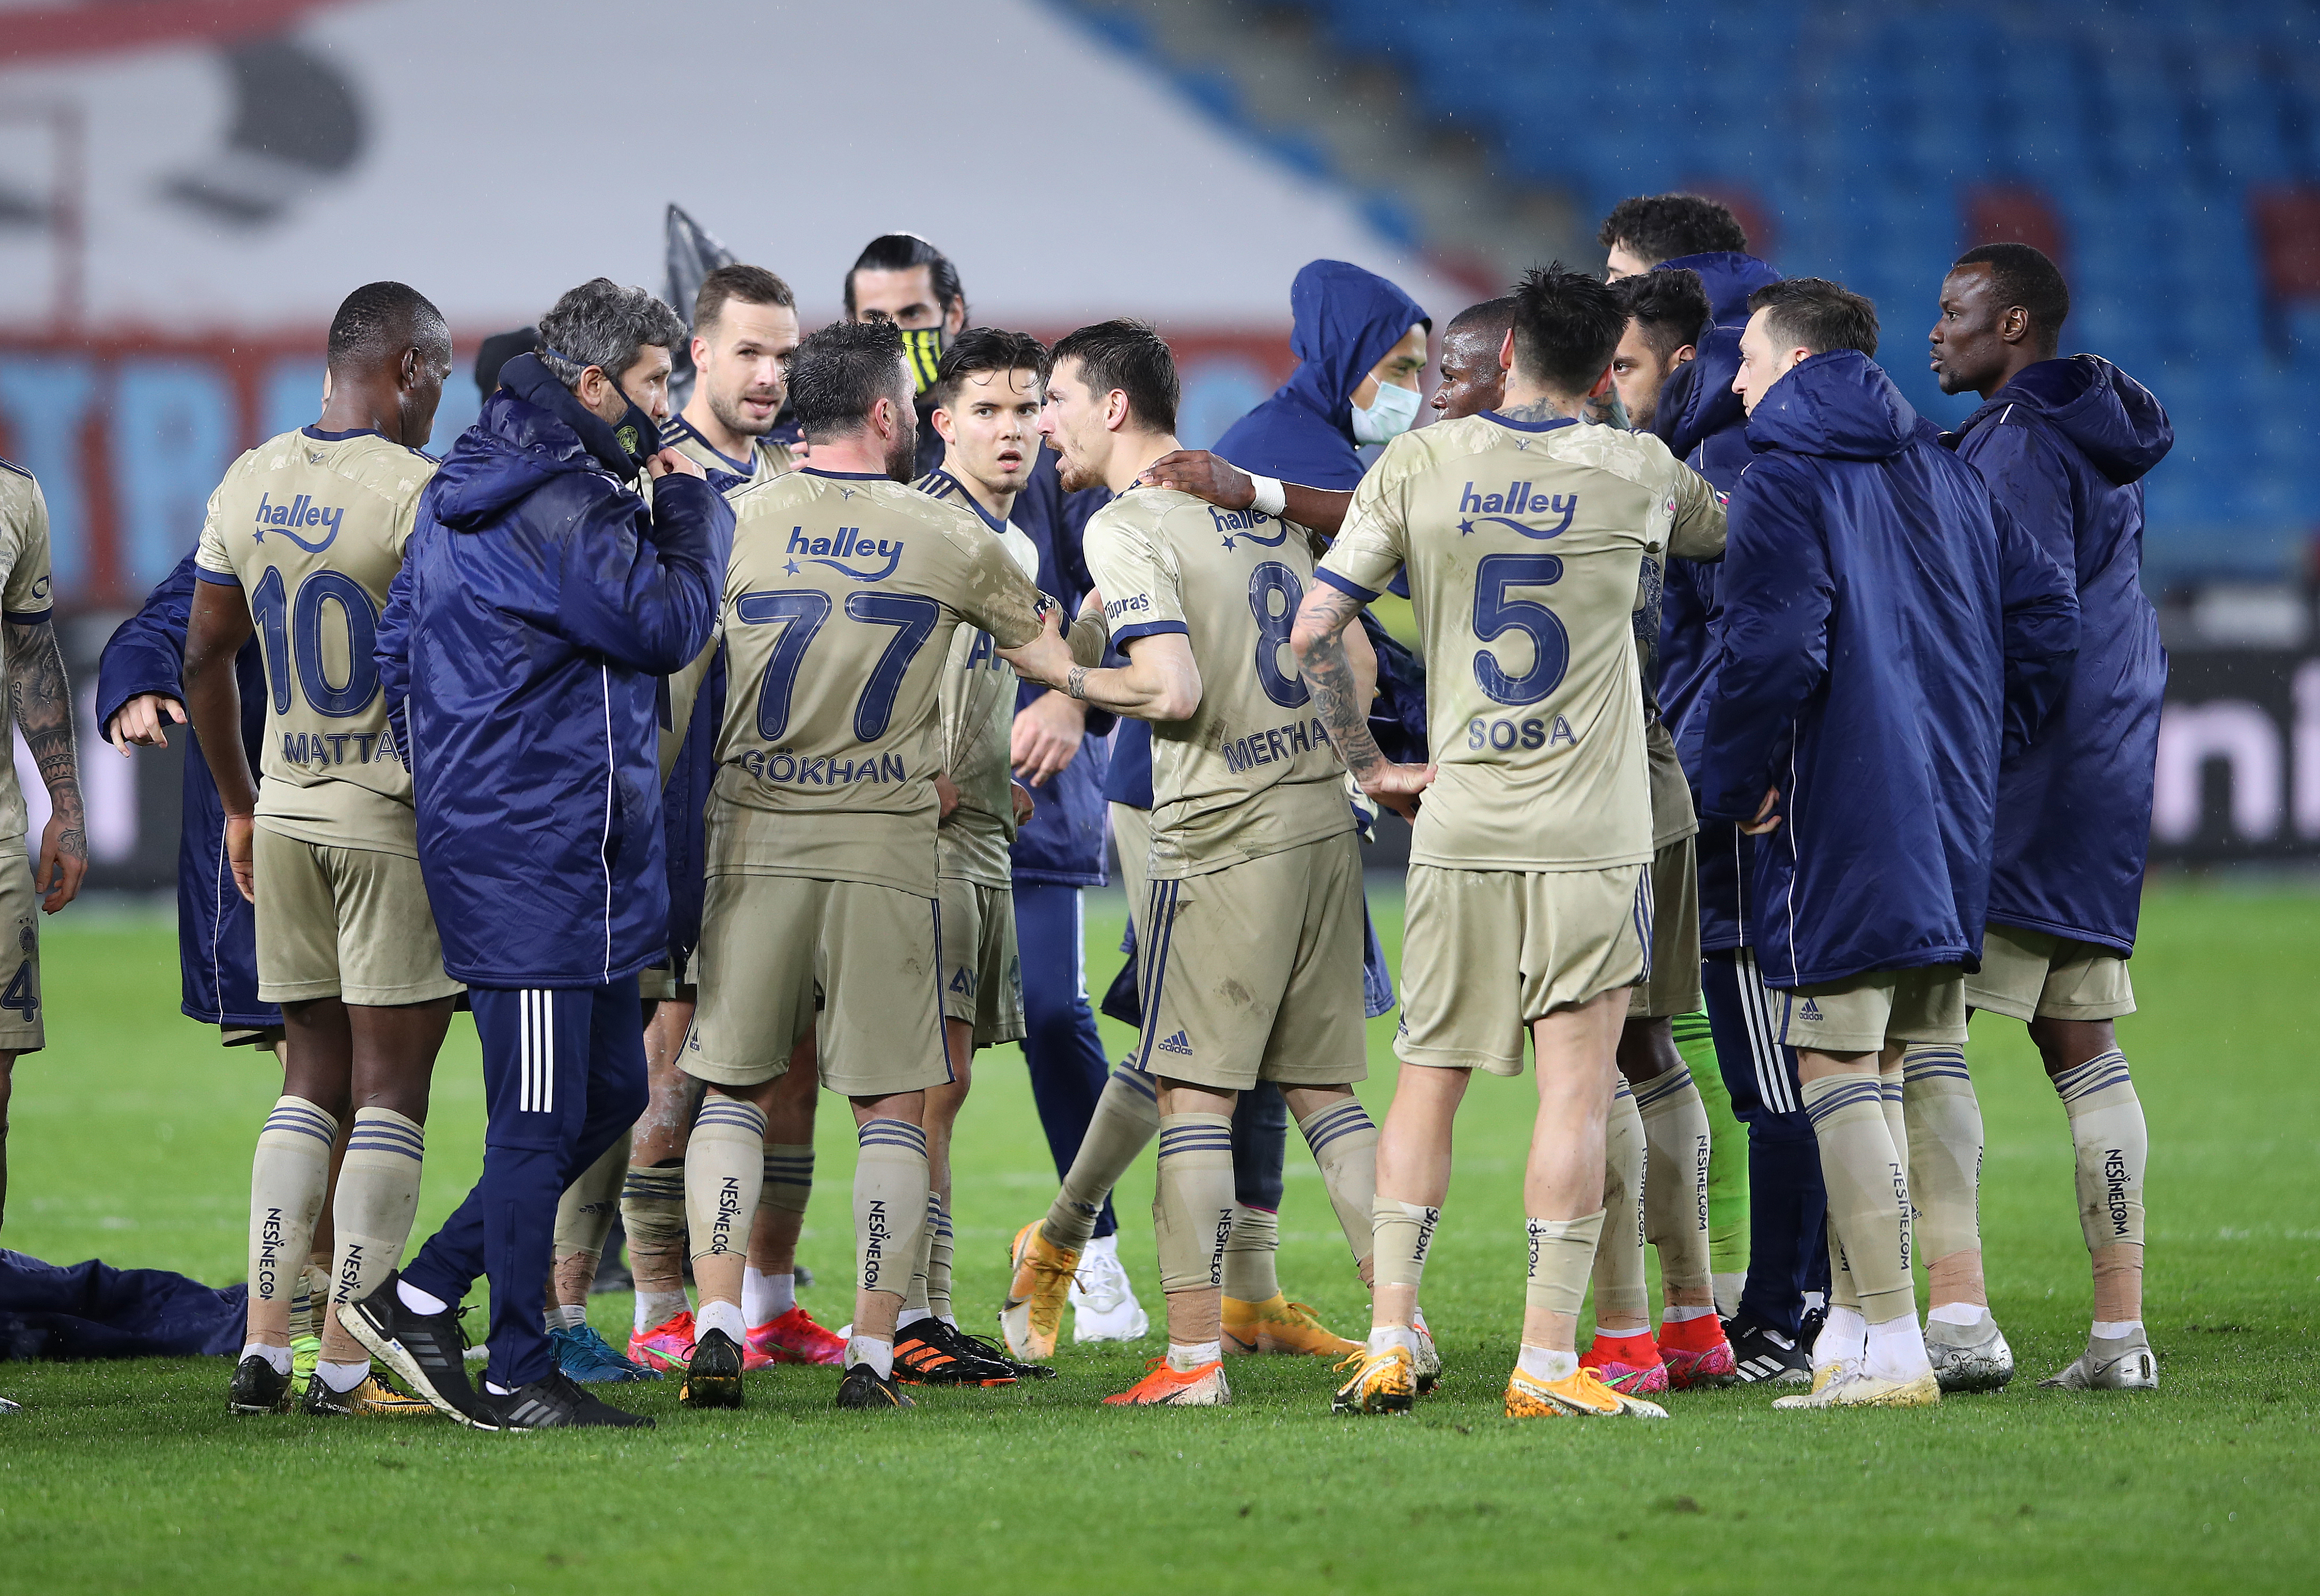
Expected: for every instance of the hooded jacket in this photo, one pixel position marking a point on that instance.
(2065, 446)
(1884, 631)
(1704, 424)
(540, 602)
(217, 936)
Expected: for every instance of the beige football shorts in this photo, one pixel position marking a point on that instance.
(1672, 985)
(982, 972)
(1867, 1012)
(856, 963)
(2030, 976)
(22, 1028)
(1254, 972)
(350, 923)
(1486, 952)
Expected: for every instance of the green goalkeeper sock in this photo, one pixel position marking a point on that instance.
(1727, 1163)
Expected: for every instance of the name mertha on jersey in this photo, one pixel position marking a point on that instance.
(1518, 500)
(849, 544)
(301, 512)
(1274, 743)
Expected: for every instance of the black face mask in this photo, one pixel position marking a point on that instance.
(923, 348)
(636, 431)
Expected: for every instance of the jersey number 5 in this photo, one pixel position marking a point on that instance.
(800, 615)
(292, 633)
(1496, 614)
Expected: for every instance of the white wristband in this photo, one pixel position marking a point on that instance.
(1272, 498)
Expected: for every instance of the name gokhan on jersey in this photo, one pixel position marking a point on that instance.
(1253, 771)
(840, 602)
(311, 527)
(1523, 542)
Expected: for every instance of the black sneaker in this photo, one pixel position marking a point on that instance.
(713, 1378)
(557, 1403)
(255, 1388)
(862, 1387)
(925, 1355)
(1809, 1325)
(425, 1349)
(1762, 1356)
(964, 1346)
(374, 1398)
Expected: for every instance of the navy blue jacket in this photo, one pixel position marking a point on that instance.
(1884, 630)
(217, 939)
(1703, 422)
(539, 602)
(1343, 321)
(2065, 446)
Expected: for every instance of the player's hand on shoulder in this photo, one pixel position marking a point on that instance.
(140, 720)
(674, 459)
(1204, 475)
(946, 793)
(1397, 786)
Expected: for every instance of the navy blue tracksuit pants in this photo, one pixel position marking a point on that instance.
(1061, 1046)
(563, 1077)
(1788, 1205)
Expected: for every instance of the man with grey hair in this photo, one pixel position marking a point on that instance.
(541, 598)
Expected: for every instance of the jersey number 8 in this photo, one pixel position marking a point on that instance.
(1269, 582)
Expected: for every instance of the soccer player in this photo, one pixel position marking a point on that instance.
(41, 701)
(540, 604)
(2064, 446)
(986, 406)
(1873, 621)
(1058, 749)
(1523, 534)
(1773, 1316)
(299, 545)
(821, 904)
(1250, 934)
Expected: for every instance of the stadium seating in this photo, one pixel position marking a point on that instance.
(2173, 152)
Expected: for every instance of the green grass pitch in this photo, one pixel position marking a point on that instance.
(131, 1142)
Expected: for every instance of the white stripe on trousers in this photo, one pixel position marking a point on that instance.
(536, 1052)
(1772, 1087)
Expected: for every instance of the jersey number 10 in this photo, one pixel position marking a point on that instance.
(292, 634)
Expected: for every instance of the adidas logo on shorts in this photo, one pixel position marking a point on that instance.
(1179, 1043)
(1811, 1010)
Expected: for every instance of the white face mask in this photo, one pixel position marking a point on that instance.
(1390, 413)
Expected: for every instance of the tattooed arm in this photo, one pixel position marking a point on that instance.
(42, 701)
(1604, 408)
(1341, 698)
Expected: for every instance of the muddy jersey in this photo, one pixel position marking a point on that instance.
(25, 583)
(311, 526)
(765, 459)
(1523, 542)
(1252, 772)
(978, 720)
(840, 602)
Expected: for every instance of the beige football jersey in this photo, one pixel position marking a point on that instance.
(766, 461)
(839, 605)
(312, 526)
(1252, 772)
(23, 596)
(978, 722)
(1524, 543)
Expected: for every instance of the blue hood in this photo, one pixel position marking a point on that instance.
(531, 430)
(1345, 319)
(2114, 421)
(1698, 401)
(1840, 405)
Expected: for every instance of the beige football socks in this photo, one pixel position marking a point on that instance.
(1192, 1206)
(1676, 1140)
(890, 1203)
(288, 1175)
(788, 1178)
(1344, 1142)
(2113, 1145)
(652, 1212)
(1944, 1144)
(1562, 1253)
(1402, 1234)
(724, 1171)
(378, 1195)
(1623, 1303)
(584, 1221)
(1127, 1118)
(1868, 1191)
(1250, 1249)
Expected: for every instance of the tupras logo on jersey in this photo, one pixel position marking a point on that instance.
(1243, 523)
(1517, 500)
(301, 512)
(849, 544)
(1116, 608)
